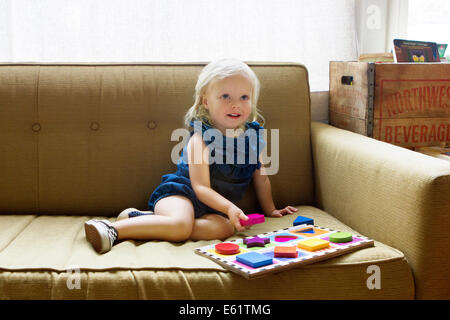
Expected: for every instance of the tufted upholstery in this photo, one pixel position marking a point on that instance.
(95, 139)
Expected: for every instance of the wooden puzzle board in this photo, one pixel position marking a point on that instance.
(278, 264)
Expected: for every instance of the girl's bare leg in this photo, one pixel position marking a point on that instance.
(173, 221)
(211, 227)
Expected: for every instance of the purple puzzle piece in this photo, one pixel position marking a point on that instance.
(256, 242)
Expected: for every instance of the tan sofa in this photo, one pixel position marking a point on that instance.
(87, 140)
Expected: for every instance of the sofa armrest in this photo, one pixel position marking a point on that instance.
(391, 194)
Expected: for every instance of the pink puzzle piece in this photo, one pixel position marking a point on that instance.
(253, 218)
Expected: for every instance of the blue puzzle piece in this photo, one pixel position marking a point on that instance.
(254, 259)
(303, 220)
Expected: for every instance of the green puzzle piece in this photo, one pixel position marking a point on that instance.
(340, 237)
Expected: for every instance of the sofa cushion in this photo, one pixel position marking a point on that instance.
(159, 269)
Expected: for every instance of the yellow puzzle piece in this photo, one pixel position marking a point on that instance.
(313, 244)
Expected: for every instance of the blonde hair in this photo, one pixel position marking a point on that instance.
(221, 69)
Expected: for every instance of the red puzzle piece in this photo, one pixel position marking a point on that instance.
(227, 248)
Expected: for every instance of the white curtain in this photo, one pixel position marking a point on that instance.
(379, 22)
(430, 22)
(304, 31)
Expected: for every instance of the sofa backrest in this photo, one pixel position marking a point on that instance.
(94, 139)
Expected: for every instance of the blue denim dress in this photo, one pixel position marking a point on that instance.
(232, 164)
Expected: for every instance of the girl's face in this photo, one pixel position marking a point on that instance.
(229, 102)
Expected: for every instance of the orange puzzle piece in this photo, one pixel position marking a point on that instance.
(285, 252)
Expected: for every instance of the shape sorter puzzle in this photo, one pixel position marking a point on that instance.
(282, 249)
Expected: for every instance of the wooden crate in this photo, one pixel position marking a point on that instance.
(404, 104)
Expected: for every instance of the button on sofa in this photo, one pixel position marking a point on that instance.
(84, 141)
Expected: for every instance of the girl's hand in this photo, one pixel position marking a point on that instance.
(282, 212)
(235, 214)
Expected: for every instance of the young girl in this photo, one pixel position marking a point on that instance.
(198, 201)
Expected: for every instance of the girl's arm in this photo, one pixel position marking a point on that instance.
(198, 157)
(264, 193)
